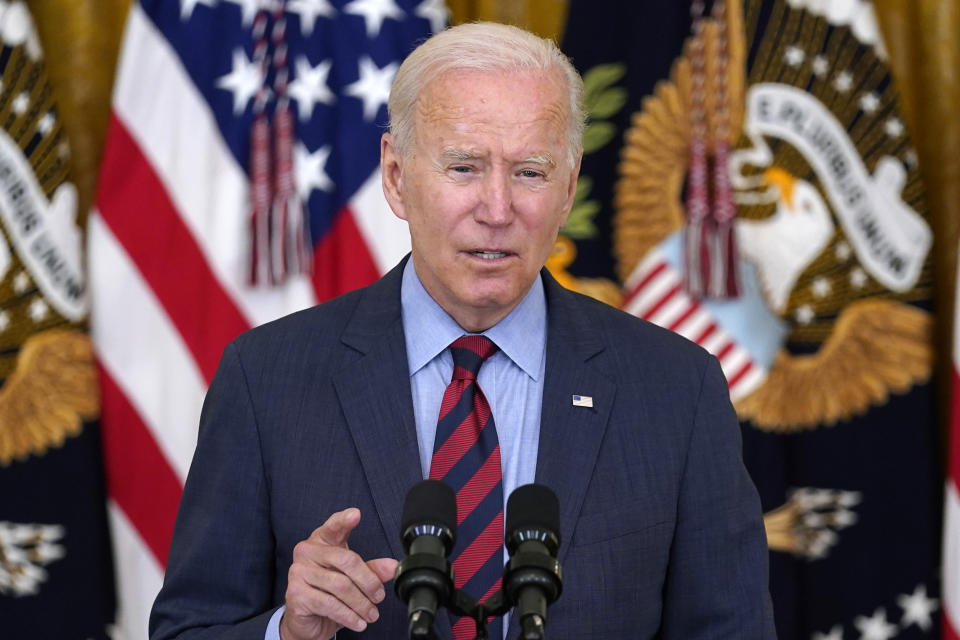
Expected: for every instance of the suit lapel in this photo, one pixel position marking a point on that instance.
(375, 396)
(570, 436)
(377, 402)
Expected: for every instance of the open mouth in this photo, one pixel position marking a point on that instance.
(489, 255)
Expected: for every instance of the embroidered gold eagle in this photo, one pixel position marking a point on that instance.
(52, 390)
(866, 340)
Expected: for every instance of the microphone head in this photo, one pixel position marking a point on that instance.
(430, 509)
(533, 512)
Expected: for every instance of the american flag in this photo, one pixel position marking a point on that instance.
(951, 528)
(169, 237)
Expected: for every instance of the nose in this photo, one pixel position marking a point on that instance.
(496, 200)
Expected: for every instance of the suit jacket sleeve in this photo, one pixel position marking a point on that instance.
(219, 578)
(716, 584)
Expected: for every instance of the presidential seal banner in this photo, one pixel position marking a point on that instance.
(53, 530)
(814, 295)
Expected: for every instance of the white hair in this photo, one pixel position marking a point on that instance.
(485, 47)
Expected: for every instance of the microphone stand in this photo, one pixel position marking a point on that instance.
(462, 604)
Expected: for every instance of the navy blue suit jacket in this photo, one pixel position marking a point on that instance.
(661, 525)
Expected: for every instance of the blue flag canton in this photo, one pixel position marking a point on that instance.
(342, 56)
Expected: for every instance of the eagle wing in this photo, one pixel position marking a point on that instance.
(52, 390)
(877, 346)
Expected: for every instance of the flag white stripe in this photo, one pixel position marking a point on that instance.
(734, 361)
(138, 575)
(385, 234)
(676, 306)
(176, 131)
(951, 553)
(695, 324)
(653, 292)
(142, 350)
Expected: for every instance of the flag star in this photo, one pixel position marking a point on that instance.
(373, 86)
(821, 287)
(311, 172)
(374, 12)
(893, 127)
(64, 150)
(435, 12)
(794, 56)
(186, 7)
(843, 82)
(45, 124)
(804, 314)
(820, 66)
(917, 608)
(848, 498)
(858, 278)
(38, 310)
(836, 633)
(875, 627)
(4, 320)
(21, 282)
(842, 251)
(249, 9)
(308, 10)
(310, 86)
(869, 102)
(20, 103)
(243, 80)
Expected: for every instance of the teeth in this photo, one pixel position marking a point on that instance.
(488, 255)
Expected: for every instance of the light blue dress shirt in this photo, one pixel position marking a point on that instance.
(511, 380)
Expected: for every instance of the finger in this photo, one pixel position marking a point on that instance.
(384, 568)
(341, 587)
(319, 562)
(338, 527)
(328, 606)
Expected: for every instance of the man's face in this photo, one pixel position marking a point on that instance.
(485, 188)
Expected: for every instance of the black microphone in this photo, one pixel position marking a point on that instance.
(533, 578)
(424, 579)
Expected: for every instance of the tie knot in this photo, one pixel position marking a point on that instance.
(469, 352)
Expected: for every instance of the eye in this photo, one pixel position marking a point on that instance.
(461, 168)
(530, 173)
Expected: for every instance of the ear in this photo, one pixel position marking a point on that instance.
(391, 172)
(571, 189)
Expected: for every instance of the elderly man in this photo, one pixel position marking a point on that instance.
(469, 364)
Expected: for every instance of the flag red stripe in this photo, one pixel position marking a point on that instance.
(735, 378)
(135, 205)
(949, 633)
(341, 260)
(722, 353)
(705, 333)
(646, 280)
(693, 308)
(139, 478)
(661, 302)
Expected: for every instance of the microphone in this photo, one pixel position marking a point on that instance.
(533, 578)
(424, 579)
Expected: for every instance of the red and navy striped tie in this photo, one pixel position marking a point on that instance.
(466, 456)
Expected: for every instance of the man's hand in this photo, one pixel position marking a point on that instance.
(329, 586)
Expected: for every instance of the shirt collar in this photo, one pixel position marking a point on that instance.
(521, 335)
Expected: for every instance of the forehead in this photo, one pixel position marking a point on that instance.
(513, 106)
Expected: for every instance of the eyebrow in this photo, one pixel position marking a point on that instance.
(452, 153)
(542, 158)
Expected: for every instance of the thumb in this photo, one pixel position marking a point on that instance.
(385, 568)
(338, 527)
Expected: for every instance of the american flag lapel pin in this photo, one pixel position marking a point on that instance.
(583, 401)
